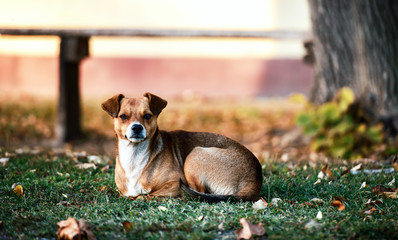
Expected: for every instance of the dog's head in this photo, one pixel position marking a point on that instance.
(135, 119)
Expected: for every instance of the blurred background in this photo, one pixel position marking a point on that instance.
(233, 86)
(170, 67)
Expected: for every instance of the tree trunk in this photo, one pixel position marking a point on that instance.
(356, 45)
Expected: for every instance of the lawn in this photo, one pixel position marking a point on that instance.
(55, 189)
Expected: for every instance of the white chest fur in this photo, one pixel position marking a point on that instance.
(133, 157)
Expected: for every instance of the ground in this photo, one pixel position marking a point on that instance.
(77, 181)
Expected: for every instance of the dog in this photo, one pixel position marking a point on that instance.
(155, 163)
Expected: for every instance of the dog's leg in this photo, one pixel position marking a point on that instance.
(170, 189)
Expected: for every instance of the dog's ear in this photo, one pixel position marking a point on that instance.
(156, 104)
(112, 105)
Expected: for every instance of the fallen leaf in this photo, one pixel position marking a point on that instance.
(319, 215)
(371, 202)
(339, 204)
(85, 228)
(316, 201)
(4, 161)
(161, 208)
(72, 229)
(387, 192)
(86, 165)
(275, 201)
(325, 173)
(312, 224)
(392, 183)
(356, 168)
(94, 159)
(103, 188)
(260, 204)
(200, 218)
(249, 229)
(64, 203)
(317, 181)
(105, 169)
(127, 225)
(18, 189)
(221, 227)
(370, 211)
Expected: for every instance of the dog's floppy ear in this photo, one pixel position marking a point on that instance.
(112, 105)
(156, 104)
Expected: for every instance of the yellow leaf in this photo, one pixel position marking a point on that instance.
(345, 98)
(18, 190)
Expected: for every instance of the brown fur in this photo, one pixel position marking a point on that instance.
(208, 163)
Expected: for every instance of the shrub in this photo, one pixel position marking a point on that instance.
(338, 129)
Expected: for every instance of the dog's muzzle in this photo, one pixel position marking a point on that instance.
(135, 132)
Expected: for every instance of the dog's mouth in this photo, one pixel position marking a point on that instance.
(135, 138)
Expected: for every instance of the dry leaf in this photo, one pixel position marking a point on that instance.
(319, 215)
(127, 225)
(94, 159)
(275, 201)
(387, 192)
(4, 161)
(86, 165)
(370, 211)
(325, 173)
(339, 204)
(161, 208)
(260, 204)
(105, 169)
(85, 229)
(312, 224)
(356, 168)
(374, 202)
(317, 181)
(18, 189)
(72, 229)
(64, 203)
(221, 227)
(392, 183)
(317, 201)
(249, 229)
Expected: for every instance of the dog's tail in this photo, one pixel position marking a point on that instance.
(205, 197)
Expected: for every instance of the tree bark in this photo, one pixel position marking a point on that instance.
(356, 45)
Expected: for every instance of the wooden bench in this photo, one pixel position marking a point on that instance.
(74, 48)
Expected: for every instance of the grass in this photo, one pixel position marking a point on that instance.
(49, 179)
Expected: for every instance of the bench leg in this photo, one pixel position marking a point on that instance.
(72, 51)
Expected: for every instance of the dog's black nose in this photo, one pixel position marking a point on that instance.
(137, 128)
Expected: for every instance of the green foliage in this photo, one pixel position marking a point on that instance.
(54, 189)
(338, 132)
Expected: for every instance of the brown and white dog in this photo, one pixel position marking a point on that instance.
(205, 166)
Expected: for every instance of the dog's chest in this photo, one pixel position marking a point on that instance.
(133, 159)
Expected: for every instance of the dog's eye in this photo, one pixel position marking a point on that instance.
(123, 116)
(147, 116)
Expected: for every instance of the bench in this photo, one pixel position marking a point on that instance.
(74, 47)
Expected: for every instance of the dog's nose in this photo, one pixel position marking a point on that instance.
(137, 128)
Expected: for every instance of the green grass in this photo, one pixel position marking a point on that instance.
(47, 180)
